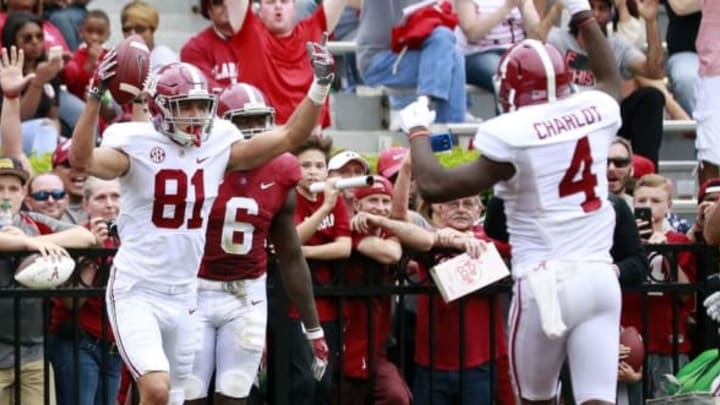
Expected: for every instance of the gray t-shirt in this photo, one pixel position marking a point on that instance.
(377, 18)
(577, 58)
(75, 214)
(31, 314)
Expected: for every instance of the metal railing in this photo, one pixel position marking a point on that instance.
(371, 288)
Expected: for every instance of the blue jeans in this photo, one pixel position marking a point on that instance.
(682, 68)
(446, 386)
(90, 371)
(480, 67)
(69, 20)
(437, 70)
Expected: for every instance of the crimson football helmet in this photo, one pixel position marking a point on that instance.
(245, 106)
(531, 72)
(181, 104)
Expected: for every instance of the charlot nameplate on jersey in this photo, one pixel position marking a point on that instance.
(462, 275)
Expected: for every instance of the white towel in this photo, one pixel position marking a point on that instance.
(543, 282)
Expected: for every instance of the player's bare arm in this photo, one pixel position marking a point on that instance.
(260, 149)
(237, 10)
(104, 163)
(12, 82)
(293, 267)
(601, 58)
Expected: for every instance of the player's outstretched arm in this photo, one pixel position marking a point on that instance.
(436, 183)
(293, 267)
(602, 61)
(250, 154)
(12, 83)
(100, 162)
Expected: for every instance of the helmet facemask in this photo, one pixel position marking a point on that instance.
(181, 122)
(252, 121)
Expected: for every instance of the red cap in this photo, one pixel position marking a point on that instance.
(710, 186)
(380, 186)
(390, 161)
(642, 166)
(61, 154)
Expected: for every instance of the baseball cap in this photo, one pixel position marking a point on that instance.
(390, 161)
(345, 157)
(13, 167)
(709, 186)
(642, 166)
(61, 154)
(380, 186)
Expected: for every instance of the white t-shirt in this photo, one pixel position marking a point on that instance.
(556, 203)
(166, 196)
(502, 36)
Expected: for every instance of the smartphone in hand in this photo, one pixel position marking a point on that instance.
(441, 142)
(644, 214)
(55, 52)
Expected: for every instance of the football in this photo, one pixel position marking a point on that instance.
(133, 67)
(38, 272)
(631, 338)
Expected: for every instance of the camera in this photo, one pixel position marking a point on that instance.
(112, 229)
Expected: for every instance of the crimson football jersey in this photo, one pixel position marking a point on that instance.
(241, 217)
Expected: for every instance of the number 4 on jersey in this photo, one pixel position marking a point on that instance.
(581, 164)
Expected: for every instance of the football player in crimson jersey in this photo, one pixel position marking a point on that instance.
(547, 155)
(169, 169)
(232, 303)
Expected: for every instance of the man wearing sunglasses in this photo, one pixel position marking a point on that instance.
(619, 169)
(46, 195)
(73, 182)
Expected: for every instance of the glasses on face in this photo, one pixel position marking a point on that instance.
(38, 36)
(138, 29)
(45, 195)
(618, 162)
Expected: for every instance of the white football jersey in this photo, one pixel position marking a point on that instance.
(166, 196)
(556, 204)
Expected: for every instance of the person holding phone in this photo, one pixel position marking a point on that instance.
(652, 192)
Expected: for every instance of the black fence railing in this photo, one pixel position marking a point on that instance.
(398, 288)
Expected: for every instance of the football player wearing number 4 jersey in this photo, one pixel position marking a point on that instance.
(169, 170)
(232, 304)
(546, 156)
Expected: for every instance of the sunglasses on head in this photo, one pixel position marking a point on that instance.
(619, 162)
(45, 195)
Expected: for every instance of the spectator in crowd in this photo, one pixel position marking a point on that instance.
(708, 196)
(31, 232)
(652, 191)
(488, 28)
(279, 67)
(99, 363)
(94, 32)
(323, 227)
(348, 164)
(52, 35)
(40, 96)
(74, 182)
(620, 169)
(211, 50)
(368, 375)
(232, 301)
(642, 110)
(67, 16)
(682, 62)
(142, 18)
(436, 70)
(707, 108)
(46, 195)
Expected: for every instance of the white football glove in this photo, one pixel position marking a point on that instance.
(576, 6)
(417, 114)
(712, 306)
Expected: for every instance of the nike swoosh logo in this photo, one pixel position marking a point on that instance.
(265, 186)
(191, 310)
(200, 160)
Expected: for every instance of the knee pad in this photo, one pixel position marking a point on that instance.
(194, 388)
(234, 383)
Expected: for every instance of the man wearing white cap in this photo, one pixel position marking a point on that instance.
(348, 164)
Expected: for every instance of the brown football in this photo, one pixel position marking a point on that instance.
(631, 338)
(131, 71)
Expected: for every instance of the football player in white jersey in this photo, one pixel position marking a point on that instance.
(169, 170)
(547, 156)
